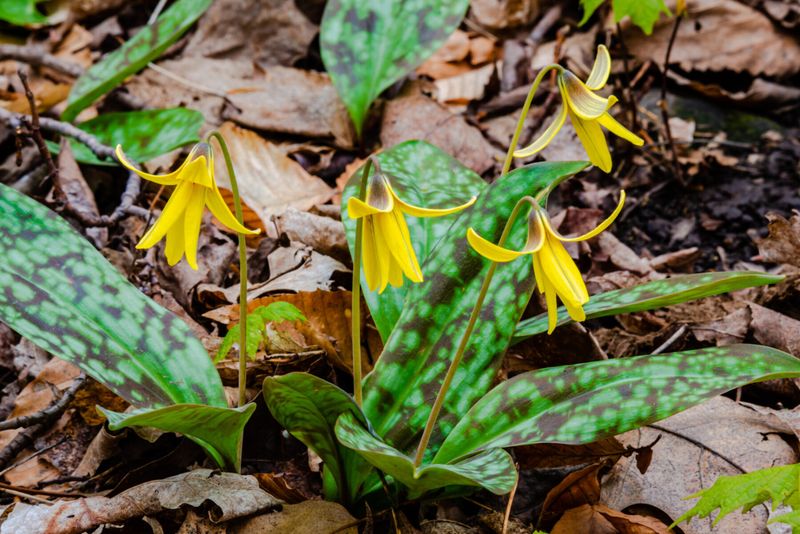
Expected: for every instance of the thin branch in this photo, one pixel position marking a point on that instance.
(34, 129)
(663, 102)
(34, 55)
(49, 413)
(629, 89)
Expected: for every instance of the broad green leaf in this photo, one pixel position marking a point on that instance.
(781, 485)
(400, 390)
(652, 295)
(589, 7)
(425, 176)
(143, 134)
(591, 401)
(21, 12)
(218, 430)
(367, 46)
(493, 469)
(148, 44)
(643, 13)
(308, 407)
(59, 292)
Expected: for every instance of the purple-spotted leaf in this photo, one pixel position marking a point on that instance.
(147, 45)
(584, 403)
(367, 46)
(218, 430)
(400, 390)
(493, 469)
(651, 295)
(308, 407)
(422, 175)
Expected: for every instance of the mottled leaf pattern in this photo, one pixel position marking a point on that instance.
(425, 176)
(308, 407)
(135, 54)
(59, 292)
(651, 295)
(218, 430)
(591, 401)
(367, 46)
(143, 134)
(400, 390)
(493, 469)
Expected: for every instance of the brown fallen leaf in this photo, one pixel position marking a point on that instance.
(498, 14)
(599, 519)
(229, 496)
(320, 233)
(561, 455)
(730, 329)
(308, 516)
(581, 487)
(466, 87)
(782, 245)
(269, 182)
(775, 329)
(77, 192)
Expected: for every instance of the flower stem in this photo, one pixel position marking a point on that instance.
(237, 205)
(355, 319)
(521, 122)
(451, 371)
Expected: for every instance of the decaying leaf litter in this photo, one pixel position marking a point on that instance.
(715, 191)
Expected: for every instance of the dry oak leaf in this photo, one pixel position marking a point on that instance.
(782, 245)
(599, 519)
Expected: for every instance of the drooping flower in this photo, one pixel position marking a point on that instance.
(181, 217)
(385, 242)
(555, 271)
(587, 111)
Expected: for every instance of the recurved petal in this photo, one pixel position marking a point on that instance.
(593, 140)
(357, 208)
(600, 227)
(613, 126)
(172, 213)
(191, 224)
(489, 250)
(581, 100)
(163, 179)
(417, 211)
(600, 70)
(547, 136)
(216, 204)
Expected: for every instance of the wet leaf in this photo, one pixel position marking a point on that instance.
(422, 175)
(367, 46)
(586, 402)
(651, 295)
(492, 469)
(135, 54)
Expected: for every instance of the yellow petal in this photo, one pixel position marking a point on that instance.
(394, 231)
(369, 254)
(593, 140)
(191, 223)
(382, 250)
(561, 271)
(600, 70)
(547, 136)
(163, 179)
(552, 306)
(219, 209)
(489, 250)
(418, 211)
(175, 243)
(575, 311)
(172, 212)
(395, 274)
(619, 130)
(357, 208)
(600, 227)
(538, 273)
(581, 100)
(412, 255)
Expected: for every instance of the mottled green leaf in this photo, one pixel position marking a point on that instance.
(652, 295)
(218, 430)
(21, 12)
(59, 292)
(781, 485)
(148, 44)
(400, 390)
(422, 175)
(493, 469)
(143, 134)
(591, 401)
(367, 46)
(308, 407)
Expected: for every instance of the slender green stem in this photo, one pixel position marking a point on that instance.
(522, 116)
(355, 308)
(237, 205)
(473, 318)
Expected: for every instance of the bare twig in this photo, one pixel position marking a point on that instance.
(663, 102)
(33, 127)
(34, 55)
(507, 515)
(49, 413)
(672, 339)
(629, 90)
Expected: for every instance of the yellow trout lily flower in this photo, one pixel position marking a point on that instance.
(385, 242)
(587, 111)
(555, 271)
(180, 219)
